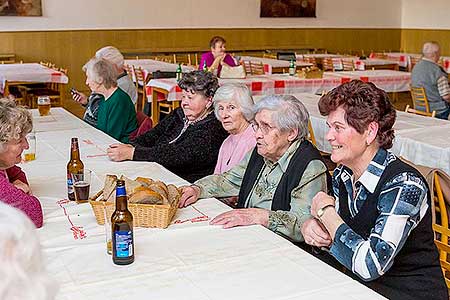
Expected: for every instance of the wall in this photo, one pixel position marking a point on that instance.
(146, 14)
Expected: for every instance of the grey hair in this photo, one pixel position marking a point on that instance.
(200, 82)
(430, 49)
(23, 273)
(238, 92)
(111, 54)
(15, 122)
(289, 113)
(101, 71)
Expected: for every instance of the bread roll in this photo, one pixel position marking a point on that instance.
(130, 185)
(144, 181)
(145, 196)
(174, 193)
(109, 188)
(158, 189)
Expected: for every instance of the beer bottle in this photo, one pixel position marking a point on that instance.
(179, 72)
(122, 228)
(205, 67)
(292, 68)
(74, 166)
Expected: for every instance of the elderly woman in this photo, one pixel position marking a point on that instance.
(116, 113)
(124, 82)
(188, 140)
(378, 221)
(277, 180)
(23, 268)
(15, 124)
(217, 57)
(233, 106)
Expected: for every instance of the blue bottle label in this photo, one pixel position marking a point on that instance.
(124, 243)
(120, 191)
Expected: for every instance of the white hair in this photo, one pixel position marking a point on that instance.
(430, 49)
(289, 113)
(101, 71)
(111, 54)
(22, 271)
(238, 92)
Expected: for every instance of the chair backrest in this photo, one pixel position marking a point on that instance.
(408, 109)
(247, 66)
(441, 229)
(419, 98)
(270, 55)
(257, 68)
(311, 136)
(348, 65)
(327, 64)
(413, 60)
(286, 56)
(145, 123)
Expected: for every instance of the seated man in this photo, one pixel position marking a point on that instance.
(428, 74)
(275, 181)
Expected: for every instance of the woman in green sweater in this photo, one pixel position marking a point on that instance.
(116, 113)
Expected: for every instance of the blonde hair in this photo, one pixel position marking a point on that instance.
(111, 54)
(15, 122)
(22, 272)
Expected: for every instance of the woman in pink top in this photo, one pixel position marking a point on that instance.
(15, 124)
(233, 105)
(216, 57)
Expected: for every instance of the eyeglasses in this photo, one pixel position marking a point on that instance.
(265, 128)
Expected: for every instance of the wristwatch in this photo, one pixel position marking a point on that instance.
(321, 211)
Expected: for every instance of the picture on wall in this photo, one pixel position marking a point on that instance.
(20, 8)
(288, 8)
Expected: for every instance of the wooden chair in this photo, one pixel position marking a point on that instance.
(141, 84)
(257, 68)
(441, 229)
(182, 58)
(327, 64)
(348, 65)
(419, 99)
(247, 66)
(270, 55)
(412, 62)
(408, 109)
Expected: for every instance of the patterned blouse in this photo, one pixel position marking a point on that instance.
(402, 203)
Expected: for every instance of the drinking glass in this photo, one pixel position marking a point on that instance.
(30, 153)
(81, 184)
(108, 233)
(44, 105)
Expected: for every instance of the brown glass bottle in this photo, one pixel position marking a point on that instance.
(74, 166)
(122, 228)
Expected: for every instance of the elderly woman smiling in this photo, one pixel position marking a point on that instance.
(233, 105)
(277, 180)
(15, 124)
(188, 140)
(116, 114)
(379, 221)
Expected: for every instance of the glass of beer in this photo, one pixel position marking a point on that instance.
(44, 105)
(81, 184)
(30, 153)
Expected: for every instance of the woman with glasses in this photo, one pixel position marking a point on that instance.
(277, 180)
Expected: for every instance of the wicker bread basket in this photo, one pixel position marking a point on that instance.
(144, 215)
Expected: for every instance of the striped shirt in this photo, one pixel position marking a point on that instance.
(401, 205)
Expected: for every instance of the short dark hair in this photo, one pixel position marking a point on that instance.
(363, 103)
(215, 40)
(205, 83)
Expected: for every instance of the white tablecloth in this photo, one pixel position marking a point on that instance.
(422, 140)
(31, 72)
(151, 65)
(188, 260)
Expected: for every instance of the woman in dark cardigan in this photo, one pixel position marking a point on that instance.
(187, 141)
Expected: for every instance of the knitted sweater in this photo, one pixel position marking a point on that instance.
(192, 155)
(17, 198)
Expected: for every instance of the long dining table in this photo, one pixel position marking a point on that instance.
(188, 260)
(421, 140)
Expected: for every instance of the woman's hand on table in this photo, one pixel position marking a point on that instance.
(22, 186)
(120, 152)
(315, 233)
(242, 217)
(189, 195)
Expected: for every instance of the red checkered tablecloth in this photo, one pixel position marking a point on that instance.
(388, 80)
(31, 72)
(258, 85)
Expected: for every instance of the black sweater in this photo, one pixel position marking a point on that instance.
(193, 155)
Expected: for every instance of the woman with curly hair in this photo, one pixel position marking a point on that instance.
(377, 223)
(15, 124)
(188, 140)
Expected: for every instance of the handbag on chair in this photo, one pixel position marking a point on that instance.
(228, 72)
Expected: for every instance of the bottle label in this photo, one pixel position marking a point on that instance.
(70, 189)
(124, 243)
(120, 191)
